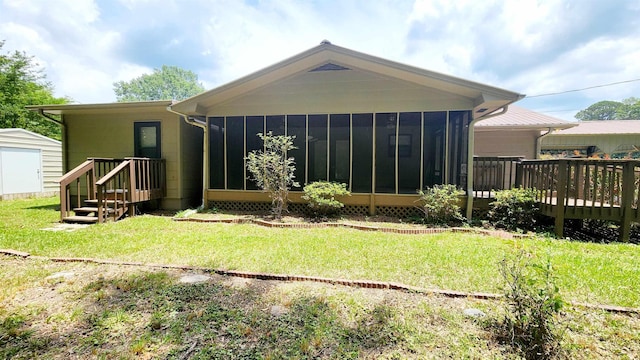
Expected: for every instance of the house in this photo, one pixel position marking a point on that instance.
(30, 164)
(610, 138)
(517, 133)
(383, 128)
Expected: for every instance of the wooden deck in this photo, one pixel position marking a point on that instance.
(100, 189)
(585, 189)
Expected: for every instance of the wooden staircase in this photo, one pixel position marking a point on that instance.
(109, 189)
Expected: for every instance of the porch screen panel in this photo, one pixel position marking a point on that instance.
(385, 152)
(362, 135)
(317, 167)
(235, 152)
(296, 126)
(458, 130)
(255, 126)
(275, 124)
(409, 153)
(434, 142)
(339, 154)
(216, 153)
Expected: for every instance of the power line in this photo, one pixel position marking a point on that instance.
(587, 88)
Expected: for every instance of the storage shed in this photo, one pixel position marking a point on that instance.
(30, 164)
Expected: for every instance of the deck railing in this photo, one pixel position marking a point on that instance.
(586, 189)
(494, 173)
(114, 183)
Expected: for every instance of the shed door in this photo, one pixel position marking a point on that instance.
(20, 171)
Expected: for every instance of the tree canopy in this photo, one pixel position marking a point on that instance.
(23, 83)
(627, 109)
(167, 83)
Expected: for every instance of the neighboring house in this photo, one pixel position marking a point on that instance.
(613, 138)
(383, 128)
(30, 164)
(519, 132)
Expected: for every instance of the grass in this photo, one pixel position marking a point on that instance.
(108, 311)
(116, 312)
(587, 272)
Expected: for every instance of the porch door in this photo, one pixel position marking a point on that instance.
(147, 139)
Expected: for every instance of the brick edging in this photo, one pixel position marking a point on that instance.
(413, 231)
(368, 284)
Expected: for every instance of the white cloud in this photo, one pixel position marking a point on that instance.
(528, 46)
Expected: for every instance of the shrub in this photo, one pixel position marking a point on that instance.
(515, 209)
(272, 170)
(531, 324)
(440, 204)
(323, 197)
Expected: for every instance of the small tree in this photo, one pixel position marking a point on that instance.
(272, 170)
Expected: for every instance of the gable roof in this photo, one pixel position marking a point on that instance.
(520, 118)
(603, 127)
(486, 99)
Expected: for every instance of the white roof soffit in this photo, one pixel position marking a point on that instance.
(57, 109)
(484, 96)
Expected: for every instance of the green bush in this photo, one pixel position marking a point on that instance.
(323, 197)
(531, 324)
(515, 209)
(440, 204)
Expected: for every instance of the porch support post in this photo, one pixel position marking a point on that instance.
(560, 197)
(628, 192)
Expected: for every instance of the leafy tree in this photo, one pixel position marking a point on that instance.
(272, 170)
(167, 83)
(629, 110)
(23, 83)
(602, 110)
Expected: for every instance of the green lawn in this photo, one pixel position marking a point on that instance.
(587, 272)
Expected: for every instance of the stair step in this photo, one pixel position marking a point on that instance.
(81, 219)
(95, 202)
(90, 209)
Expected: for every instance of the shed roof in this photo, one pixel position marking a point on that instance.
(58, 109)
(486, 99)
(603, 127)
(26, 133)
(518, 117)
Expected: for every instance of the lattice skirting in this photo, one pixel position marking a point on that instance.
(297, 208)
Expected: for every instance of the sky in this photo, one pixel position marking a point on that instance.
(531, 47)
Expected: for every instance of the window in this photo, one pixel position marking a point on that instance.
(317, 166)
(386, 124)
(297, 126)
(409, 152)
(340, 158)
(235, 152)
(362, 164)
(146, 138)
(433, 151)
(255, 126)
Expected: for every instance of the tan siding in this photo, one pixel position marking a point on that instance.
(607, 143)
(506, 143)
(110, 135)
(51, 154)
(347, 91)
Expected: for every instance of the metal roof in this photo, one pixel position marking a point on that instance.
(519, 117)
(603, 127)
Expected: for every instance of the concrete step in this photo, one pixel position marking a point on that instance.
(81, 219)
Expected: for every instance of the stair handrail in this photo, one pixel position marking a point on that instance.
(101, 190)
(67, 179)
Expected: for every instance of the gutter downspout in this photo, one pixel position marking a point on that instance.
(205, 152)
(470, 157)
(63, 131)
(539, 142)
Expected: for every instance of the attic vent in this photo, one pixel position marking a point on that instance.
(329, 67)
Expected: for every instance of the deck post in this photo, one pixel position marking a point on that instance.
(560, 198)
(628, 192)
